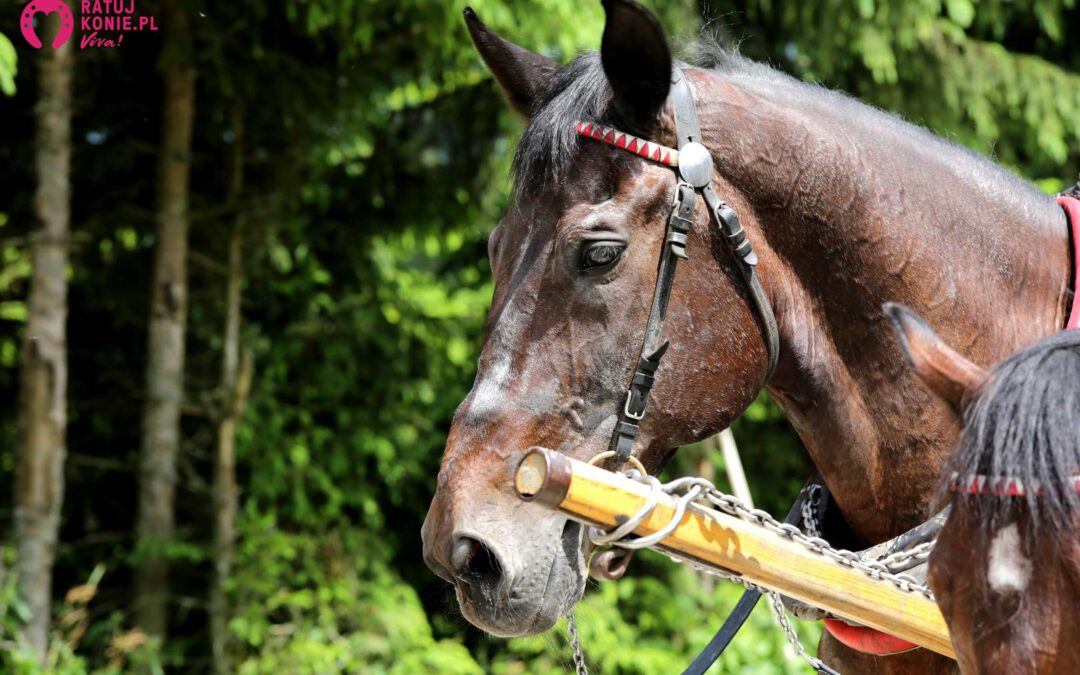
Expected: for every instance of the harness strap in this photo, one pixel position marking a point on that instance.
(740, 246)
(695, 167)
(1071, 205)
(687, 129)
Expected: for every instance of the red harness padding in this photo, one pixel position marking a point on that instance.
(866, 640)
(1071, 205)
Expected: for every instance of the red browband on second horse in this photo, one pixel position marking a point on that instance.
(1002, 486)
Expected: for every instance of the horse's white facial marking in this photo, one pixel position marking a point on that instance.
(1008, 570)
(490, 392)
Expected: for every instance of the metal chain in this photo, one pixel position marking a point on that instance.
(902, 559)
(793, 637)
(692, 490)
(875, 569)
(810, 515)
(778, 610)
(575, 644)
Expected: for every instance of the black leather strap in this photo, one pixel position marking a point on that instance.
(735, 620)
(654, 345)
(679, 223)
(729, 225)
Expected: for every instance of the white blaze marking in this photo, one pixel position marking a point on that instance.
(1008, 569)
(490, 391)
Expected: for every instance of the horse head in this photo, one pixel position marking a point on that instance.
(575, 264)
(1006, 566)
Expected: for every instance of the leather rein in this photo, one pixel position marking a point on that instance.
(694, 166)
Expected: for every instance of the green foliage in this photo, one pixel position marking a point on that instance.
(128, 651)
(999, 77)
(331, 602)
(8, 66)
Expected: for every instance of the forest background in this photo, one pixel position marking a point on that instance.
(250, 250)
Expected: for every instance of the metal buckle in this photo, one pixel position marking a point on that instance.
(637, 417)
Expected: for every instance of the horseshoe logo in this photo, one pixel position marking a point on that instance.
(26, 21)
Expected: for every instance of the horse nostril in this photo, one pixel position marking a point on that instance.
(474, 562)
(464, 550)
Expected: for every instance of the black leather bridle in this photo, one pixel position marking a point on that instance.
(695, 169)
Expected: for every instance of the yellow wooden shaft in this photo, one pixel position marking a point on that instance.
(602, 498)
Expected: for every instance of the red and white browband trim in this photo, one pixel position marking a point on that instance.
(624, 141)
(1003, 486)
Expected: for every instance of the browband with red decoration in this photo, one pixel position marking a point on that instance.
(624, 141)
(1002, 486)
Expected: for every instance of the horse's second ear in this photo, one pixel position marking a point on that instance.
(947, 372)
(637, 62)
(518, 71)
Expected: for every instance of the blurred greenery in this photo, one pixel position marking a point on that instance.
(377, 162)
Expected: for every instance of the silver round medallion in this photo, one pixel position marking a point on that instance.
(695, 164)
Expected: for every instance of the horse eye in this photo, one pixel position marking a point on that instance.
(600, 256)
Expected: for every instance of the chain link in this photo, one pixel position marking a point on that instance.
(875, 569)
(575, 644)
(691, 492)
(793, 637)
(811, 496)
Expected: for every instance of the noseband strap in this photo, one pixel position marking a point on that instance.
(694, 165)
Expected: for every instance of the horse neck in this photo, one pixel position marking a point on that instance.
(850, 208)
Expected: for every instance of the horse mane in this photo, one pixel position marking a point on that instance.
(1023, 425)
(579, 90)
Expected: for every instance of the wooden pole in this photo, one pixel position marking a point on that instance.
(601, 498)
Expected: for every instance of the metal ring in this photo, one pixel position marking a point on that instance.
(599, 537)
(607, 454)
(663, 532)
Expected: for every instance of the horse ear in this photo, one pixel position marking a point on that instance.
(637, 62)
(941, 367)
(518, 71)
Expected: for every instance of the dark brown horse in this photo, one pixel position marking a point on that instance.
(1006, 566)
(846, 206)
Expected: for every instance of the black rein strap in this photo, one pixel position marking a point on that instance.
(738, 616)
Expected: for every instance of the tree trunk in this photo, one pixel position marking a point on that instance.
(235, 383)
(168, 319)
(39, 471)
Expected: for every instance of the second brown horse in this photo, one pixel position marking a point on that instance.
(1006, 566)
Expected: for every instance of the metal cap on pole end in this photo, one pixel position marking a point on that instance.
(543, 476)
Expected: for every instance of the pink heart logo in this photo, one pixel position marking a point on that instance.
(35, 7)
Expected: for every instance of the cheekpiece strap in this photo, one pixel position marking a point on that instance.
(694, 165)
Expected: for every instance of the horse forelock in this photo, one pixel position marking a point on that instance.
(578, 91)
(1022, 426)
